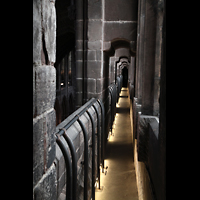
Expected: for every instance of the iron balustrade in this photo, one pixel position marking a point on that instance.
(71, 175)
(114, 90)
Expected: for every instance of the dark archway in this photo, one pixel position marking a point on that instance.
(125, 76)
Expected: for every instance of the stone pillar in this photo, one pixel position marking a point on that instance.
(94, 51)
(81, 51)
(44, 93)
(162, 125)
(140, 49)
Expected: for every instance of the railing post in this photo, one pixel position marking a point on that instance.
(74, 163)
(68, 167)
(85, 158)
(98, 144)
(93, 155)
(102, 132)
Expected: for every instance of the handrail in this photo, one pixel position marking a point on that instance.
(102, 132)
(85, 158)
(71, 175)
(93, 155)
(98, 144)
(68, 166)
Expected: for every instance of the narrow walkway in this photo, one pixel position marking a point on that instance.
(120, 181)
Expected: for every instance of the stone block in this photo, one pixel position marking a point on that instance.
(91, 55)
(49, 27)
(37, 32)
(125, 9)
(136, 108)
(99, 85)
(45, 89)
(43, 143)
(94, 45)
(46, 187)
(79, 27)
(79, 44)
(95, 9)
(91, 85)
(79, 69)
(38, 150)
(143, 136)
(94, 30)
(79, 55)
(126, 30)
(79, 9)
(94, 69)
(98, 55)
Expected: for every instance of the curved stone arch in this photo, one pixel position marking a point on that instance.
(111, 46)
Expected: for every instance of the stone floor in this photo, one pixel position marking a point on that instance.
(119, 183)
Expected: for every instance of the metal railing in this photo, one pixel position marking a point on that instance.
(71, 175)
(114, 90)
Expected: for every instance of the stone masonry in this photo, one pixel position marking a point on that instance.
(44, 93)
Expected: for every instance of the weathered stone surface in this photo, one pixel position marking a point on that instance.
(44, 92)
(43, 143)
(46, 187)
(94, 30)
(126, 30)
(94, 69)
(136, 109)
(37, 32)
(121, 10)
(38, 151)
(143, 136)
(91, 85)
(94, 9)
(49, 27)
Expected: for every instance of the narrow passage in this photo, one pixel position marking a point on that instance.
(120, 181)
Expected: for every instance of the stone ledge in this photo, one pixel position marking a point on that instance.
(143, 135)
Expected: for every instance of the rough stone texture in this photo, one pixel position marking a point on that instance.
(121, 10)
(44, 93)
(143, 136)
(44, 88)
(37, 34)
(126, 30)
(49, 28)
(45, 187)
(136, 109)
(44, 28)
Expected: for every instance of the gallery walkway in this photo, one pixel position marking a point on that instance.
(119, 183)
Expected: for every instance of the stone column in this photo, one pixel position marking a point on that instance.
(95, 50)
(140, 49)
(44, 93)
(149, 60)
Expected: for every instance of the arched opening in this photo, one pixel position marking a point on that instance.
(125, 76)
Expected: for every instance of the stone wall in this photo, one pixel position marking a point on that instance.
(44, 93)
(149, 103)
